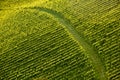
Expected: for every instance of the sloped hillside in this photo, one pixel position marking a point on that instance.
(59, 40)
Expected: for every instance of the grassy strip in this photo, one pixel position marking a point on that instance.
(89, 49)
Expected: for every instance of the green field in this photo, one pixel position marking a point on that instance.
(59, 40)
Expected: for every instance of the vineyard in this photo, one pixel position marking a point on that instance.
(60, 40)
